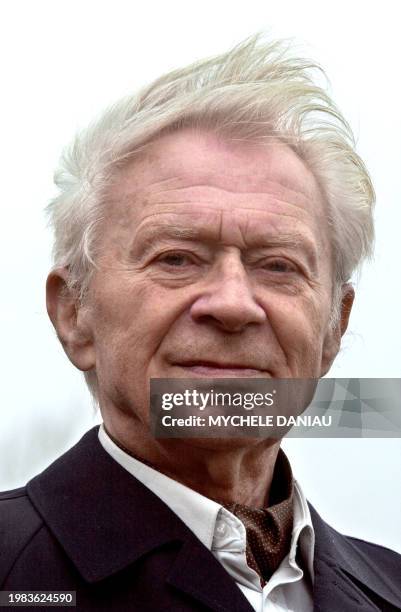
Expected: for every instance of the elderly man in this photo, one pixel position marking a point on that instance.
(205, 228)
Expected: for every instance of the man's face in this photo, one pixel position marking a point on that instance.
(215, 261)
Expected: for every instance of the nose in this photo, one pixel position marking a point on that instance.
(227, 300)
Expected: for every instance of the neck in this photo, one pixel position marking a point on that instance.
(230, 471)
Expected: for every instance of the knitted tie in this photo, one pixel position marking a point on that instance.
(269, 530)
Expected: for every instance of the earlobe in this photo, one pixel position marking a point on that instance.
(69, 321)
(333, 337)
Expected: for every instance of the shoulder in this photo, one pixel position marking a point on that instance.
(373, 569)
(387, 559)
(19, 522)
(345, 546)
(376, 567)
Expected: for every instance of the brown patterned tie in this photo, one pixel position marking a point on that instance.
(269, 530)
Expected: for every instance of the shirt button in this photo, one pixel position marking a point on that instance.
(221, 529)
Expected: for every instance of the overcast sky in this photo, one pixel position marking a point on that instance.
(62, 62)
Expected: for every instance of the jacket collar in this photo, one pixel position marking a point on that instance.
(105, 520)
(344, 574)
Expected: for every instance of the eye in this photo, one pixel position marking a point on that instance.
(282, 266)
(175, 259)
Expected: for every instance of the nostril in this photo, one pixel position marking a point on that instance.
(226, 326)
(225, 322)
(229, 312)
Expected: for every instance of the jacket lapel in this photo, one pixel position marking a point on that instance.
(105, 520)
(345, 578)
(334, 591)
(197, 573)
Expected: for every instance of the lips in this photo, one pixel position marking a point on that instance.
(213, 368)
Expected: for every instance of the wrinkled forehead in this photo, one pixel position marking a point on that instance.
(187, 174)
(193, 157)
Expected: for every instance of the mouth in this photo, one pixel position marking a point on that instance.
(210, 369)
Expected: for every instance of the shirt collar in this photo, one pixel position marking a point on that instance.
(199, 513)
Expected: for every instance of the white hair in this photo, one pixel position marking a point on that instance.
(257, 92)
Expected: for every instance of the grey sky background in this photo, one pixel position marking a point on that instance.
(62, 62)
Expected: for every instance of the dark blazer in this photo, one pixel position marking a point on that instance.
(86, 525)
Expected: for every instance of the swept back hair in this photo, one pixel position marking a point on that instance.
(258, 91)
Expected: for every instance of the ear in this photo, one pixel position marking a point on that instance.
(332, 341)
(70, 320)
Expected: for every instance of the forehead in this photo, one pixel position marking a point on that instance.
(189, 157)
(191, 177)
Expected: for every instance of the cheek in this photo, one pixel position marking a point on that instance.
(299, 328)
(131, 322)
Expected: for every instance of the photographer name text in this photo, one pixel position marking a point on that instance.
(248, 420)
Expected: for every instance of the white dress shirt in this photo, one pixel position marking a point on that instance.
(225, 536)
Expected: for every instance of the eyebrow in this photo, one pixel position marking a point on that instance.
(157, 234)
